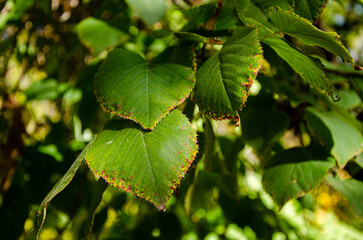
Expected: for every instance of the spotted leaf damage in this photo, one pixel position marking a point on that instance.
(223, 81)
(148, 164)
(128, 86)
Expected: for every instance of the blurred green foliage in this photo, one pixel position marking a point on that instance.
(50, 52)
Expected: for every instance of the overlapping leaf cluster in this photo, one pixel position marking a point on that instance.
(147, 148)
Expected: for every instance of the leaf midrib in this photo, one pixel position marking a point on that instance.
(313, 37)
(151, 169)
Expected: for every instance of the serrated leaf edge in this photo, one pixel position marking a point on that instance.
(129, 116)
(124, 186)
(223, 116)
(334, 34)
(298, 195)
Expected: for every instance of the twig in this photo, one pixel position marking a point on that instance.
(209, 25)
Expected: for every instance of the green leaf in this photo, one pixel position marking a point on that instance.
(148, 164)
(150, 10)
(161, 33)
(213, 156)
(255, 13)
(200, 14)
(229, 181)
(295, 26)
(224, 79)
(352, 190)
(200, 192)
(129, 87)
(346, 141)
(96, 200)
(227, 16)
(48, 89)
(292, 173)
(349, 99)
(98, 36)
(307, 67)
(192, 37)
(310, 9)
(359, 160)
(182, 54)
(13, 10)
(265, 5)
(60, 185)
(260, 131)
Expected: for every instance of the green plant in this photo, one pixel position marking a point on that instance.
(163, 103)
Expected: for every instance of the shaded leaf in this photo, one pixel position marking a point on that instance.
(150, 10)
(292, 173)
(349, 99)
(192, 37)
(200, 192)
(352, 190)
(101, 187)
(310, 9)
(295, 26)
(200, 14)
(266, 5)
(307, 67)
(179, 54)
(148, 164)
(359, 160)
(213, 156)
(255, 13)
(60, 185)
(224, 79)
(229, 181)
(98, 36)
(161, 33)
(129, 87)
(345, 140)
(227, 16)
(260, 131)
(48, 89)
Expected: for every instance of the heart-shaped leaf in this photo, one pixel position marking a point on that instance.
(292, 173)
(148, 164)
(129, 87)
(224, 79)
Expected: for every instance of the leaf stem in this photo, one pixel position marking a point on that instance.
(268, 36)
(210, 24)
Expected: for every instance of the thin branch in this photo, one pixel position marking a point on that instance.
(209, 25)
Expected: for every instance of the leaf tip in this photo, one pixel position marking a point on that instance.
(357, 68)
(162, 207)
